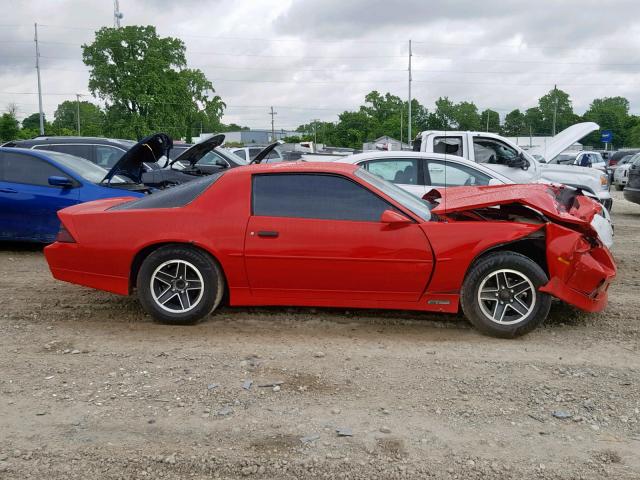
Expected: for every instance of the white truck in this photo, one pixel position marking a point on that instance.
(511, 161)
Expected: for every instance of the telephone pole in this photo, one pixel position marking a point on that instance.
(78, 110)
(409, 124)
(487, 119)
(117, 14)
(555, 109)
(273, 132)
(39, 85)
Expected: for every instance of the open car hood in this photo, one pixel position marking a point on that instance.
(195, 153)
(262, 154)
(148, 150)
(563, 140)
(562, 204)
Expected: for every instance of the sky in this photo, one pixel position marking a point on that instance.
(312, 59)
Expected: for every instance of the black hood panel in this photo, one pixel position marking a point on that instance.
(148, 150)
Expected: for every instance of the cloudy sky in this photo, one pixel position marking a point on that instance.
(315, 58)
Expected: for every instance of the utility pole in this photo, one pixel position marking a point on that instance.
(409, 124)
(401, 127)
(39, 85)
(315, 130)
(273, 132)
(530, 136)
(488, 119)
(555, 109)
(78, 110)
(117, 14)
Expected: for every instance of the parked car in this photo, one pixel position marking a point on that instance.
(621, 172)
(632, 189)
(584, 158)
(35, 184)
(204, 158)
(334, 234)
(615, 159)
(250, 153)
(418, 173)
(519, 165)
(101, 151)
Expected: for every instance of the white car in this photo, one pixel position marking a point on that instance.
(621, 173)
(420, 172)
(585, 158)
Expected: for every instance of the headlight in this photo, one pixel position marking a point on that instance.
(604, 182)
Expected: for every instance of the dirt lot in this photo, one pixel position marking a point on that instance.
(90, 386)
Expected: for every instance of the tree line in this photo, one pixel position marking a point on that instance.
(145, 86)
(387, 115)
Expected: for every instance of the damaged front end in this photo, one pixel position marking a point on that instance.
(579, 266)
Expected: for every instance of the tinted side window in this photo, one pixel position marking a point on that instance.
(106, 156)
(241, 153)
(83, 151)
(253, 152)
(396, 170)
(18, 168)
(327, 197)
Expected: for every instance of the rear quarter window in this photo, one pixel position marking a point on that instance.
(174, 197)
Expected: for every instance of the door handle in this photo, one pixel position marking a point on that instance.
(8, 190)
(268, 234)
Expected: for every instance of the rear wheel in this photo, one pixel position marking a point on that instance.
(179, 285)
(500, 295)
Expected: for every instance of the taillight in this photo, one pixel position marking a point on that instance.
(64, 236)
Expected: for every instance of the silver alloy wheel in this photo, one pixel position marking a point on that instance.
(506, 296)
(177, 286)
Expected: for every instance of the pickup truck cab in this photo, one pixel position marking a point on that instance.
(510, 160)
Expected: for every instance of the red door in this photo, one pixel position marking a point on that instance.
(325, 259)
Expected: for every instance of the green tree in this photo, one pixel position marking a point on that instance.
(515, 124)
(454, 116)
(146, 85)
(556, 103)
(92, 118)
(611, 113)
(534, 122)
(32, 122)
(9, 125)
(493, 123)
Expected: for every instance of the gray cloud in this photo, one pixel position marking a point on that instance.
(316, 58)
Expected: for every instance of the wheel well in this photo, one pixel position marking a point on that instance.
(531, 247)
(145, 252)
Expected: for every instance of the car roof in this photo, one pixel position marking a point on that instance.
(296, 167)
(70, 139)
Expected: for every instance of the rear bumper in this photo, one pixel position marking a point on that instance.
(580, 273)
(66, 263)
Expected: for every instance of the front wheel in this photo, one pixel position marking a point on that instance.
(179, 285)
(500, 295)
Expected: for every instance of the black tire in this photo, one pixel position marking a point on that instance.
(482, 269)
(200, 304)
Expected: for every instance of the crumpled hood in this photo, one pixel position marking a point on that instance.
(195, 153)
(563, 140)
(148, 150)
(560, 203)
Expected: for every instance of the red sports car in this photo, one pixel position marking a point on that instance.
(329, 234)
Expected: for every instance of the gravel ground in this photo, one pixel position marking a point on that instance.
(89, 385)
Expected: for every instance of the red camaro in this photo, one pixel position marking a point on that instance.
(329, 234)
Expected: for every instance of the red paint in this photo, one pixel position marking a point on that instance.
(417, 265)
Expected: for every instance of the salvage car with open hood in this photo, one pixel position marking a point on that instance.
(204, 158)
(336, 235)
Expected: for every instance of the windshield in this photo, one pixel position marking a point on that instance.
(404, 198)
(84, 168)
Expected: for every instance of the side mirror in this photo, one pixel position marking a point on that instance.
(58, 181)
(392, 217)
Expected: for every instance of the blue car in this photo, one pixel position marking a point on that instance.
(35, 184)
